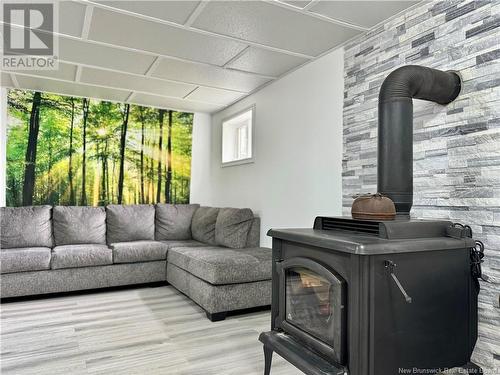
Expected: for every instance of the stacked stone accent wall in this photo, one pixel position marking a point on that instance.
(456, 147)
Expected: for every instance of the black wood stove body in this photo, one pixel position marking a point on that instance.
(372, 298)
(367, 297)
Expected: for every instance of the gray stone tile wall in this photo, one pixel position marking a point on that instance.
(456, 147)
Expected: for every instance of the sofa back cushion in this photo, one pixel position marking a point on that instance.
(253, 239)
(79, 225)
(232, 227)
(173, 221)
(130, 222)
(29, 226)
(203, 224)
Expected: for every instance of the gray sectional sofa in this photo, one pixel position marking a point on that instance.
(210, 254)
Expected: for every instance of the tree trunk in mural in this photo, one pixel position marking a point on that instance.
(168, 180)
(141, 117)
(161, 113)
(30, 158)
(86, 102)
(123, 139)
(70, 162)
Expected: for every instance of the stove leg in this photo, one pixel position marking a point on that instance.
(472, 368)
(268, 357)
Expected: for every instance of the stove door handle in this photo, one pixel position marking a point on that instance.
(390, 265)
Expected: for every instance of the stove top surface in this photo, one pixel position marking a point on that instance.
(367, 237)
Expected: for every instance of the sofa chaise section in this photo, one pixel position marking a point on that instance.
(231, 272)
(221, 279)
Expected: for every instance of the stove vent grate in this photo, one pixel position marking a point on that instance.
(363, 226)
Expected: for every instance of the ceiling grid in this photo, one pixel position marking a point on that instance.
(197, 56)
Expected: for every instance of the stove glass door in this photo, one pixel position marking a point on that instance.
(309, 303)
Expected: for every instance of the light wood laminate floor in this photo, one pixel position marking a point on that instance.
(133, 331)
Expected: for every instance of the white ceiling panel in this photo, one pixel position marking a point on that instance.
(179, 104)
(173, 11)
(258, 60)
(216, 96)
(207, 75)
(71, 18)
(69, 88)
(297, 3)
(135, 83)
(102, 56)
(273, 26)
(133, 32)
(5, 80)
(65, 72)
(363, 13)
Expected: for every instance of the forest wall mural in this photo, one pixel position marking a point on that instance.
(77, 151)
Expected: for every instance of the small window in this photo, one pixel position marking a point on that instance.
(237, 138)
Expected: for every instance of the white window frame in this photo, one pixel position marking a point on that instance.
(251, 134)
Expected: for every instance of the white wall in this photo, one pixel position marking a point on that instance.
(200, 161)
(297, 173)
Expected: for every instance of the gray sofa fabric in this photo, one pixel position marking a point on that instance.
(203, 224)
(79, 225)
(24, 259)
(218, 278)
(218, 265)
(139, 251)
(130, 222)
(232, 227)
(81, 255)
(220, 298)
(28, 226)
(173, 221)
(253, 238)
(69, 279)
(187, 243)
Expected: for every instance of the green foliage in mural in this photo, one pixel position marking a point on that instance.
(72, 151)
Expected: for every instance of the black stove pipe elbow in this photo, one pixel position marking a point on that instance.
(395, 126)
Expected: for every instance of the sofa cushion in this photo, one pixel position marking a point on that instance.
(203, 224)
(81, 255)
(24, 259)
(232, 227)
(130, 222)
(219, 265)
(185, 243)
(138, 251)
(79, 225)
(29, 226)
(173, 221)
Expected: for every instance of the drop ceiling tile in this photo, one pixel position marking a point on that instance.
(5, 80)
(103, 56)
(65, 72)
(71, 18)
(258, 60)
(207, 75)
(171, 103)
(70, 88)
(216, 96)
(272, 25)
(363, 13)
(297, 3)
(173, 11)
(135, 83)
(124, 30)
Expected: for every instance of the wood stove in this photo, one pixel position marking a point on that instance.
(373, 298)
(368, 297)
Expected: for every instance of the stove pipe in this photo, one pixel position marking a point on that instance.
(395, 126)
